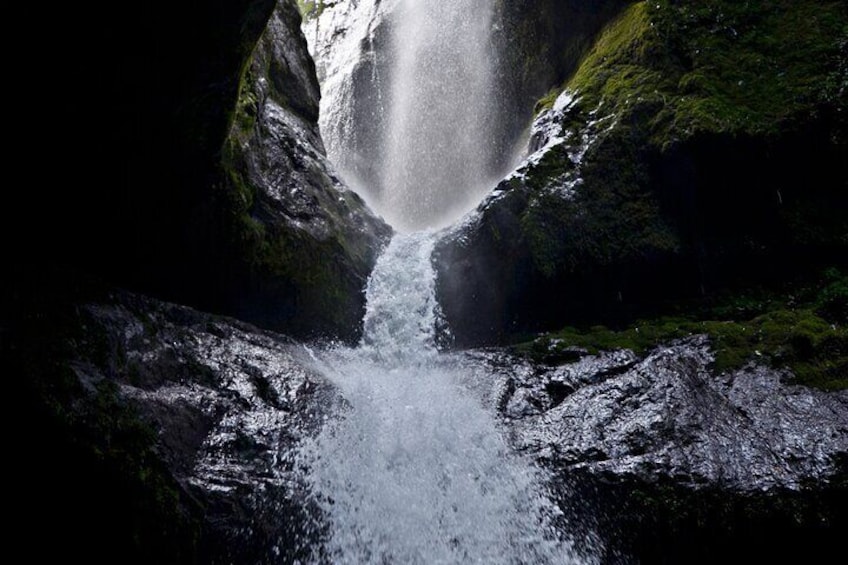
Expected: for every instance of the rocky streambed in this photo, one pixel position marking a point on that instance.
(658, 456)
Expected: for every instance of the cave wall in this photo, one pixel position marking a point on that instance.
(136, 190)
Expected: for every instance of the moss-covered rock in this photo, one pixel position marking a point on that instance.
(696, 147)
(540, 43)
(801, 328)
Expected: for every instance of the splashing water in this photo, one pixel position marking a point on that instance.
(415, 470)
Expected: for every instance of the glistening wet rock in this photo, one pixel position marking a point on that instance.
(182, 432)
(669, 451)
(304, 243)
(668, 414)
(178, 431)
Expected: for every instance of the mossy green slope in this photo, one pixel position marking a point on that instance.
(704, 154)
(717, 66)
(804, 329)
(730, 69)
(669, 73)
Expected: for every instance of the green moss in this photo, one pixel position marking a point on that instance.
(783, 334)
(547, 101)
(667, 89)
(613, 217)
(832, 301)
(311, 9)
(247, 106)
(715, 66)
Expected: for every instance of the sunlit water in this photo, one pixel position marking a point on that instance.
(414, 469)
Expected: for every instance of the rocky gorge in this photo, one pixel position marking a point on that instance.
(683, 185)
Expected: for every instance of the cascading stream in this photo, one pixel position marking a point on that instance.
(415, 470)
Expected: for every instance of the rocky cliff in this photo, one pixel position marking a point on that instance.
(178, 433)
(155, 433)
(694, 151)
(670, 463)
(696, 147)
(187, 165)
(301, 244)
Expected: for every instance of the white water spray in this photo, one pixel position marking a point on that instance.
(409, 112)
(414, 467)
(437, 164)
(415, 470)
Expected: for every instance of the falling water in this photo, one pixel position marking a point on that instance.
(416, 470)
(410, 112)
(414, 467)
(437, 163)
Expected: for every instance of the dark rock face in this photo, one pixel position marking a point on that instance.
(140, 110)
(173, 196)
(660, 178)
(640, 437)
(176, 431)
(229, 404)
(540, 43)
(305, 243)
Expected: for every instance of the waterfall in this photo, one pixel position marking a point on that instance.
(410, 112)
(440, 119)
(415, 469)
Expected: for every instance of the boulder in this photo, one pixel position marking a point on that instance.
(667, 461)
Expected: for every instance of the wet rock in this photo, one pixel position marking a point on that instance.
(665, 457)
(211, 187)
(304, 241)
(669, 415)
(195, 420)
(228, 422)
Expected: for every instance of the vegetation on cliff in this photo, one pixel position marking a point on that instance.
(803, 328)
(691, 81)
(704, 153)
(718, 66)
